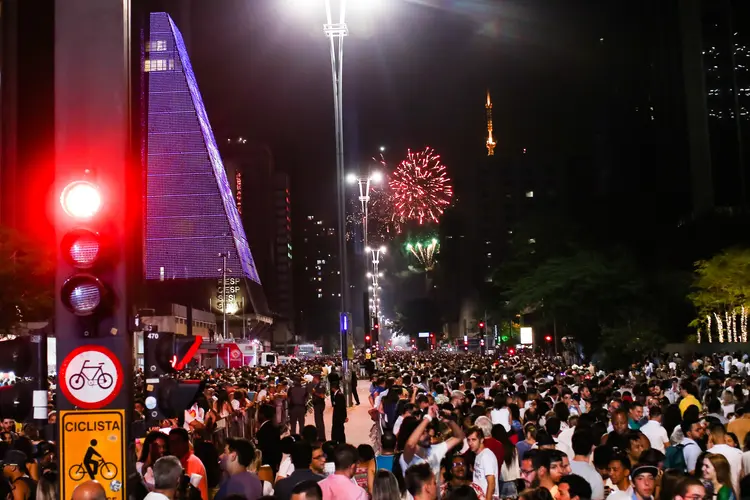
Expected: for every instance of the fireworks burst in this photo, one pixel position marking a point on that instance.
(420, 188)
(425, 252)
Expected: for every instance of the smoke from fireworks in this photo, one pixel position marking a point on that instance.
(420, 188)
(425, 252)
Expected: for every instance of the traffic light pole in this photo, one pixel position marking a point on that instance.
(96, 179)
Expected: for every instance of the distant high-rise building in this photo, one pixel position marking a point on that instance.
(261, 195)
(284, 295)
(716, 59)
(318, 288)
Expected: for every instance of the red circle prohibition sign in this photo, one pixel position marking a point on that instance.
(63, 381)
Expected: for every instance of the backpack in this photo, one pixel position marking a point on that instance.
(675, 458)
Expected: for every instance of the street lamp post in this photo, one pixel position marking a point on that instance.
(336, 31)
(364, 197)
(375, 253)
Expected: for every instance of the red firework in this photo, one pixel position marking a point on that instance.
(420, 188)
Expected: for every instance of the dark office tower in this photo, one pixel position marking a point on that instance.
(716, 55)
(283, 247)
(318, 289)
(261, 195)
(27, 103)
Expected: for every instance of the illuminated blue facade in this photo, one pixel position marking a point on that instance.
(191, 216)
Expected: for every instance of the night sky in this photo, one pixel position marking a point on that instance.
(415, 74)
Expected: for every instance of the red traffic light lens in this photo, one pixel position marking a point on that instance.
(81, 199)
(81, 248)
(548, 338)
(481, 324)
(82, 294)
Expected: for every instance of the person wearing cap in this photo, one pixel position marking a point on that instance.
(14, 470)
(643, 483)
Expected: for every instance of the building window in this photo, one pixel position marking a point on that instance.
(529, 194)
(156, 46)
(158, 65)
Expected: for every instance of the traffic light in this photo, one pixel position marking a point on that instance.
(481, 326)
(89, 263)
(504, 338)
(367, 340)
(512, 351)
(163, 355)
(548, 338)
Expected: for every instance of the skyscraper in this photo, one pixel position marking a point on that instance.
(716, 58)
(192, 225)
(318, 291)
(263, 199)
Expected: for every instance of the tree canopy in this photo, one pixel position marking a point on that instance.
(722, 283)
(26, 281)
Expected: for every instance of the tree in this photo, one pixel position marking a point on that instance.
(581, 293)
(721, 288)
(26, 281)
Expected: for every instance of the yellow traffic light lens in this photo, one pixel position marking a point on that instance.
(81, 199)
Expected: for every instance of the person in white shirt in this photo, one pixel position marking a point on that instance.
(717, 444)
(408, 409)
(500, 414)
(167, 476)
(654, 431)
(418, 448)
(486, 471)
(583, 447)
(691, 450)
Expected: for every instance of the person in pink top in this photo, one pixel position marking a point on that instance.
(339, 485)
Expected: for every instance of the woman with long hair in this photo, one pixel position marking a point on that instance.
(385, 486)
(510, 468)
(715, 470)
(155, 445)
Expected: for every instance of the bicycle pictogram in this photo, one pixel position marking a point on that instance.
(92, 466)
(101, 378)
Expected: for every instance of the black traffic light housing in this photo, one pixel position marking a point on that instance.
(164, 354)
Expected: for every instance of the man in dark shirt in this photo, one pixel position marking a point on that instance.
(318, 394)
(239, 454)
(269, 437)
(301, 458)
(338, 401)
(297, 398)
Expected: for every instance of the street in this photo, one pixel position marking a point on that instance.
(359, 424)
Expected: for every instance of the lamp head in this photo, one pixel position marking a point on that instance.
(351, 178)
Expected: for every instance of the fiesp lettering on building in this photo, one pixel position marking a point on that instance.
(92, 447)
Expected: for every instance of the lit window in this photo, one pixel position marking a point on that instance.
(156, 46)
(158, 65)
(529, 194)
(532, 241)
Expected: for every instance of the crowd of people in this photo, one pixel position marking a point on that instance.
(448, 426)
